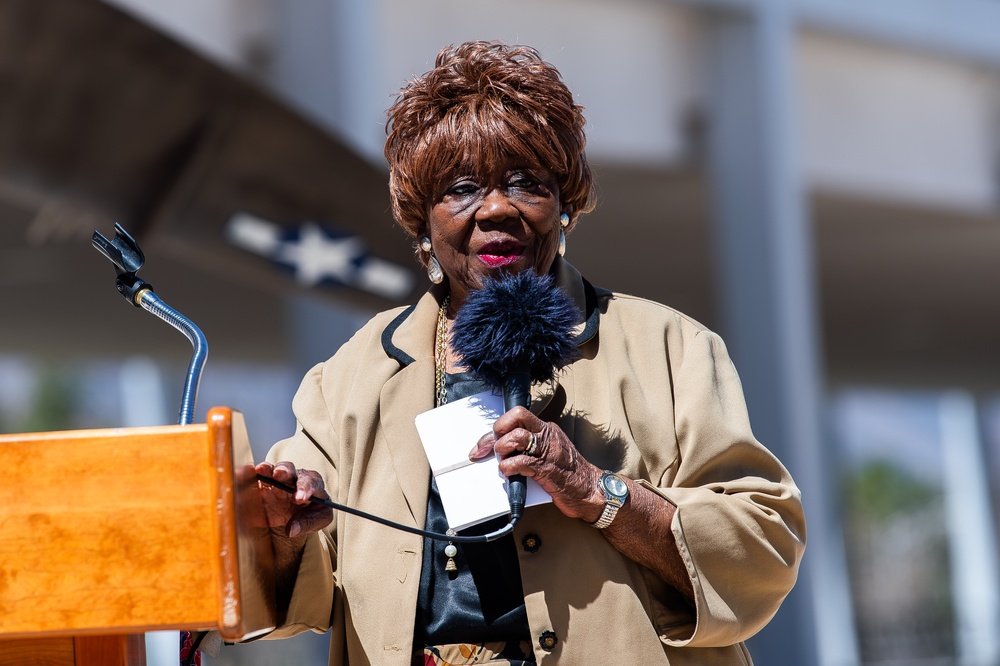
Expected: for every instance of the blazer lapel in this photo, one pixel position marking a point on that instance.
(408, 393)
(405, 395)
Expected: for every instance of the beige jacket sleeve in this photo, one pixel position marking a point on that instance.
(739, 524)
(312, 599)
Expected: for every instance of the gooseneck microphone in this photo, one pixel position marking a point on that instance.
(514, 331)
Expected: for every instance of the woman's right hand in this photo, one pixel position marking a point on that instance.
(293, 515)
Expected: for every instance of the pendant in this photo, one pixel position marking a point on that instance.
(450, 551)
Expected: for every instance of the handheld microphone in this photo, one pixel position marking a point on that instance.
(516, 330)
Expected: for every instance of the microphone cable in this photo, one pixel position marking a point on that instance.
(454, 538)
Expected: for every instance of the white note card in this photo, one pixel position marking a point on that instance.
(470, 492)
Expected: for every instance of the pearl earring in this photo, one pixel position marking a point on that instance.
(434, 272)
(563, 223)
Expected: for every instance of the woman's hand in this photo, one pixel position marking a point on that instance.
(641, 530)
(291, 518)
(557, 466)
(292, 515)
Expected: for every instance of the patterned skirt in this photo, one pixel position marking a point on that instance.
(511, 653)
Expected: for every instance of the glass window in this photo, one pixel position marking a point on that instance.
(894, 514)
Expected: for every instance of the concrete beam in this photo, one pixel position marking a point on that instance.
(967, 29)
(963, 28)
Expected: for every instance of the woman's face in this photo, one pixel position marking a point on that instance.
(507, 221)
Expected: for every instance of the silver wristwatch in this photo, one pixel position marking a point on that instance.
(615, 493)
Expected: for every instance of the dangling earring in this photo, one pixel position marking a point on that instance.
(563, 223)
(434, 271)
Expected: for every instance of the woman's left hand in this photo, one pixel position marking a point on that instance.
(292, 515)
(556, 465)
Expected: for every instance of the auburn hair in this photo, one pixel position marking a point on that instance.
(484, 102)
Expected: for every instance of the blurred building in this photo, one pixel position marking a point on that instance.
(819, 180)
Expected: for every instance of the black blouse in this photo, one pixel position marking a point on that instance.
(482, 601)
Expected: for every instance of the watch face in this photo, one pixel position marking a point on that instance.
(615, 485)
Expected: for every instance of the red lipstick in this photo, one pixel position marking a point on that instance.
(500, 253)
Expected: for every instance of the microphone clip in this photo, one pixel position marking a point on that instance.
(124, 252)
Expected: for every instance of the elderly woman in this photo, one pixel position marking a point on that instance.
(672, 535)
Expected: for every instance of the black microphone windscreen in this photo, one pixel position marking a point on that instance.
(516, 323)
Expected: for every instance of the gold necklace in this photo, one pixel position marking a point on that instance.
(441, 353)
(441, 397)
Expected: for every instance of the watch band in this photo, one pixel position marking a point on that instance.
(610, 511)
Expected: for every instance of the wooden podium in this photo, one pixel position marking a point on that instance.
(105, 534)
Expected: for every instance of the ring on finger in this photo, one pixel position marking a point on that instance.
(532, 448)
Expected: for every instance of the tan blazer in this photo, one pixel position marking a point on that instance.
(654, 396)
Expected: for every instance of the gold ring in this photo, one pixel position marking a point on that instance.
(532, 449)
